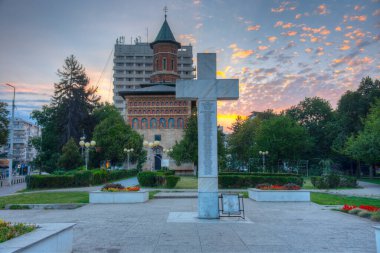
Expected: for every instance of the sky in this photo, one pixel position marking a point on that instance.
(281, 51)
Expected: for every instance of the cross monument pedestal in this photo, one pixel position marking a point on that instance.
(207, 90)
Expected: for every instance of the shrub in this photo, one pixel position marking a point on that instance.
(83, 178)
(375, 216)
(259, 174)
(333, 181)
(113, 186)
(364, 214)
(9, 230)
(346, 181)
(99, 176)
(245, 181)
(171, 181)
(147, 178)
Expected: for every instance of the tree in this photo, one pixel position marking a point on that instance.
(73, 99)
(317, 116)
(365, 146)
(4, 122)
(70, 158)
(283, 138)
(112, 135)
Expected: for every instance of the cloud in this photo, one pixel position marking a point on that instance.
(272, 38)
(289, 33)
(239, 53)
(322, 9)
(253, 28)
(298, 16)
(320, 51)
(344, 47)
(198, 26)
(376, 13)
(308, 50)
(187, 38)
(278, 23)
(338, 28)
(360, 61)
(284, 6)
(262, 48)
(290, 45)
(197, 2)
(361, 18)
(288, 25)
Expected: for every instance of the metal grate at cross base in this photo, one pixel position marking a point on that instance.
(231, 205)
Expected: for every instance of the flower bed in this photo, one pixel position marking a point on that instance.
(290, 187)
(116, 193)
(371, 212)
(9, 230)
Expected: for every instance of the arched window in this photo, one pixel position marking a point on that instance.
(156, 64)
(162, 123)
(144, 123)
(135, 123)
(171, 103)
(180, 123)
(173, 65)
(164, 63)
(171, 123)
(153, 123)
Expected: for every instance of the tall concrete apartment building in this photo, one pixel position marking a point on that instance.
(133, 66)
(23, 151)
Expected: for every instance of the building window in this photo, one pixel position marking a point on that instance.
(144, 123)
(180, 123)
(164, 64)
(135, 123)
(153, 123)
(157, 137)
(171, 123)
(173, 65)
(156, 64)
(162, 123)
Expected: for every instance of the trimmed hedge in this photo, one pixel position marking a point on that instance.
(259, 174)
(333, 181)
(171, 181)
(157, 178)
(246, 181)
(79, 178)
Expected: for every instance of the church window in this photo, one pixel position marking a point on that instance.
(171, 123)
(153, 123)
(164, 64)
(144, 112)
(167, 103)
(144, 123)
(135, 103)
(156, 64)
(144, 104)
(135, 123)
(171, 103)
(162, 123)
(157, 104)
(180, 123)
(162, 103)
(173, 65)
(171, 111)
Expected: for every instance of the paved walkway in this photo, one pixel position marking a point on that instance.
(7, 190)
(369, 190)
(276, 227)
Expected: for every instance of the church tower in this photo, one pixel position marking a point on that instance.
(165, 49)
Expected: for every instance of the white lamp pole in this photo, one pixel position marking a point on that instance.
(87, 146)
(128, 151)
(263, 153)
(151, 146)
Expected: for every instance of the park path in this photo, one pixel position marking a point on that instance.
(8, 190)
(368, 190)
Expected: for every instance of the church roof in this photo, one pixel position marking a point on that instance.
(165, 35)
(158, 89)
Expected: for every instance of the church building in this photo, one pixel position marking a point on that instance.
(152, 109)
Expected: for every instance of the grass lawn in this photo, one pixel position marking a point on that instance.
(45, 198)
(332, 199)
(374, 180)
(187, 182)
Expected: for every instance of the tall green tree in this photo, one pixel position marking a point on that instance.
(316, 114)
(73, 99)
(4, 122)
(70, 158)
(112, 135)
(283, 138)
(365, 146)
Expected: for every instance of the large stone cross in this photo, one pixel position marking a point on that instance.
(207, 90)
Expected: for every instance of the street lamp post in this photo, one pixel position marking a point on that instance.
(87, 146)
(128, 151)
(263, 153)
(10, 153)
(167, 151)
(151, 147)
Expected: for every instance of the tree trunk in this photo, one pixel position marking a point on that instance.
(371, 169)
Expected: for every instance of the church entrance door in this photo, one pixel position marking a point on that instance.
(157, 161)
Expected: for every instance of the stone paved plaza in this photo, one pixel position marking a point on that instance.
(275, 227)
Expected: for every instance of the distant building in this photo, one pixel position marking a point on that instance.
(23, 151)
(146, 81)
